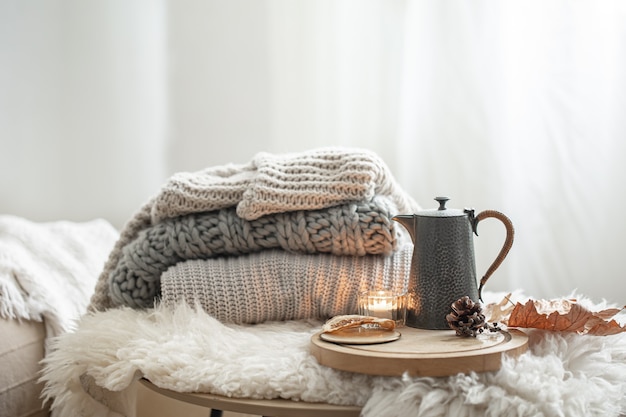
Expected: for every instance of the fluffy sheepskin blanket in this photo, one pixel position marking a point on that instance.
(186, 350)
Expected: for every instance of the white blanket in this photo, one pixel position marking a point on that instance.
(187, 350)
(48, 270)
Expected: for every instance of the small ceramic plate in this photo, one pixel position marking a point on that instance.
(368, 337)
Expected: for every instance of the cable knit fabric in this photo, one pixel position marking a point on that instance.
(213, 188)
(268, 184)
(101, 300)
(356, 229)
(281, 183)
(279, 285)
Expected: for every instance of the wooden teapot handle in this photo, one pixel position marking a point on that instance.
(508, 242)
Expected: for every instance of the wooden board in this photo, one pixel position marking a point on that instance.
(422, 353)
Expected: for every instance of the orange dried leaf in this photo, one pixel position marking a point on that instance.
(566, 316)
(604, 328)
(526, 315)
(608, 313)
(572, 321)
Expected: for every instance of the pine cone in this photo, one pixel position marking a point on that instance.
(466, 317)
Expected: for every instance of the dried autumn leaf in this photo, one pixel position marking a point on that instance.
(560, 305)
(599, 326)
(608, 313)
(572, 321)
(499, 312)
(564, 316)
(606, 328)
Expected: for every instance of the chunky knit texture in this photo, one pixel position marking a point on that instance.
(269, 184)
(279, 285)
(280, 183)
(357, 229)
(211, 189)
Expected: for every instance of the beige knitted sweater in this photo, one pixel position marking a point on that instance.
(268, 184)
(278, 285)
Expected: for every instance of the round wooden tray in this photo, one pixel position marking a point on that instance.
(422, 353)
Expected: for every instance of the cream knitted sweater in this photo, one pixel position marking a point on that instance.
(315, 179)
(277, 285)
(280, 183)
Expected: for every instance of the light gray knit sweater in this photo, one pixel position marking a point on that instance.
(316, 179)
(276, 285)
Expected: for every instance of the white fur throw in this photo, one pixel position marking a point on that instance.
(48, 270)
(187, 350)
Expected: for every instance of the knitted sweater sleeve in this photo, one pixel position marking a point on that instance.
(101, 300)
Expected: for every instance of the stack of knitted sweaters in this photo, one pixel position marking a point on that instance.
(283, 237)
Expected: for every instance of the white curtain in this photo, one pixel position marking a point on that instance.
(82, 107)
(514, 106)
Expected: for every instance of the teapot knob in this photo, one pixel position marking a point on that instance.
(442, 202)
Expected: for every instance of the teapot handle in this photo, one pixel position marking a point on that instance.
(508, 242)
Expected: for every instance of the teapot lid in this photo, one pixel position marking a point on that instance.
(442, 211)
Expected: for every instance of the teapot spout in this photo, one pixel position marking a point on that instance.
(408, 221)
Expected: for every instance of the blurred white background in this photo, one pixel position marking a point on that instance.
(518, 106)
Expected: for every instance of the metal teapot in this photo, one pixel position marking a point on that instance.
(443, 267)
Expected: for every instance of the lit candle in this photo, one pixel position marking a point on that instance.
(383, 304)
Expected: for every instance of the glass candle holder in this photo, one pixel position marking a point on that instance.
(383, 304)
